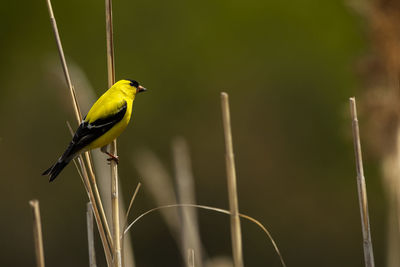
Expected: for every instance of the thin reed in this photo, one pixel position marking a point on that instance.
(131, 204)
(362, 190)
(236, 232)
(37, 233)
(89, 225)
(117, 254)
(190, 262)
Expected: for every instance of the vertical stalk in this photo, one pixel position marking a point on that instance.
(89, 224)
(117, 255)
(361, 186)
(190, 258)
(232, 188)
(37, 233)
(110, 44)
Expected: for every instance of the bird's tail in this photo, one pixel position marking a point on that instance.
(55, 169)
(63, 161)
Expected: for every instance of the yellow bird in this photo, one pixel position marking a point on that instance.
(105, 121)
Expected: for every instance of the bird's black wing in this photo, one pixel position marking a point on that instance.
(88, 132)
(84, 135)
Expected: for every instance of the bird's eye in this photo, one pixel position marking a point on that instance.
(134, 83)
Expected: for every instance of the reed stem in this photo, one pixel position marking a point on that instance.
(89, 224)
(37, 233)
(190, 259)
(362, 190)
(131, 204)
(117, 255)
(236, 233)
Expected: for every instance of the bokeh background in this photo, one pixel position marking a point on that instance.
(289, 68)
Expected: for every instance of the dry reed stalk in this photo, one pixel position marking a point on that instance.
(117, 255)
(131, 204)
(185, 190)
(232, 188)
(129, 210)
(259, 224)
(89, 224)
(104, 234)
(362, 190)
(190, 257)
(37, 233)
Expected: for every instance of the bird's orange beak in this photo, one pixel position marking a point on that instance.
(140, 89)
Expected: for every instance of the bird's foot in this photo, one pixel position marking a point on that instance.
(112, 158)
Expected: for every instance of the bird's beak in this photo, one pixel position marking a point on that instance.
(140, 89)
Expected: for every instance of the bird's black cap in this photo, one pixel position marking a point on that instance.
(133, 83)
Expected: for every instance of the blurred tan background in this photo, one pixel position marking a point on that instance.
(289, 68)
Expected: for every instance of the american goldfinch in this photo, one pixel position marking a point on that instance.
(105, 121)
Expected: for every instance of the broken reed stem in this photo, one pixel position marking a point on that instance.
(236, 233)
(130, 204)
(78, 117)
(190, 257)
(117, 254)
(89, 224)
(37, 233)
(361, 186)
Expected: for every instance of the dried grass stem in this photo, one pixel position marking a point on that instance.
(117, 255)
(361, 186)
(37, 233)
(232, 188)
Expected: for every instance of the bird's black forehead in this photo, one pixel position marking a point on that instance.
(133, 83)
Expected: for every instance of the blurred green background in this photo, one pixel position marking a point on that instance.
(289, 68)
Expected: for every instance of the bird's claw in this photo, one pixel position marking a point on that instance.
(113, 158)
